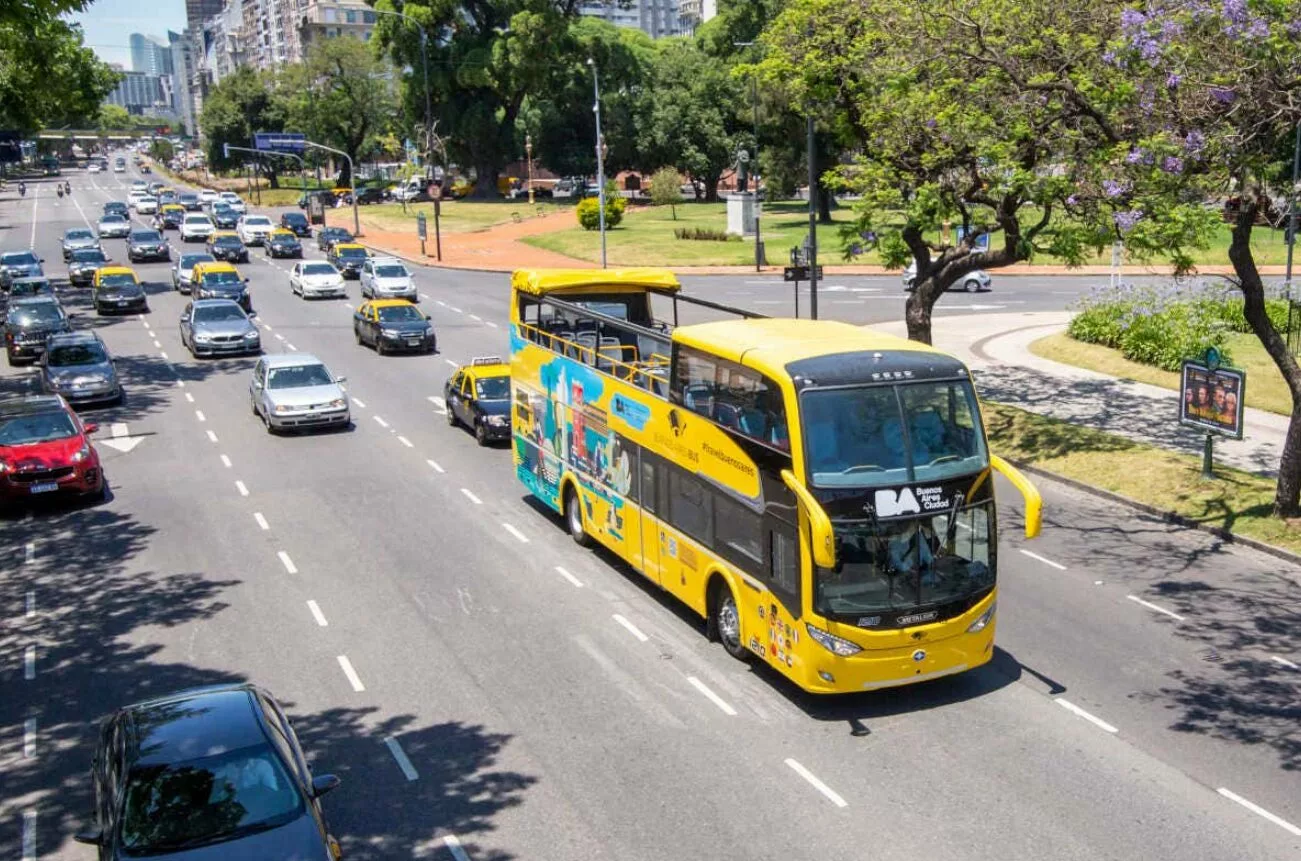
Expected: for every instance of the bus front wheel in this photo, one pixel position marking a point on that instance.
(727, 622)
(574, 517)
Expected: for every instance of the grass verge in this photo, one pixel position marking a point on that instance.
(456, 216)
(1266, 389)
(1236, 501)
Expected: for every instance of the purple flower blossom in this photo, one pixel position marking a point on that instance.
(1294, 29)
(1134, 156)
(855, 249)
(1223, 95)
(1173, 79)
(1132, 19)
(1125, 221)
(1194, 143)
(1172, 164)
(1112, 188)
(1235, 11)
(1109, 57)
(1171, 30)
(1258, 29)
(930, 124)
(1071, 201)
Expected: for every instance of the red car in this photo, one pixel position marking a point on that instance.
(45, 451)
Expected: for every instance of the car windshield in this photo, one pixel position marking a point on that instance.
(36, 427)
(492, 388)
(79, 234)
(119, 280)
(891, 435)
(88, 255)
(197, 219)
(293, 218)
(206, 800)
(338, 233)
(76, 354)
(188, 261)
(222, 209)
(218, 314)
(283, 237)
(36, 314)
(399, 314)
(298, 376)
(257, 221)
(351, 252)
(113, 218)
(318, 269)
(19, 258)
(227, 241)
(915, 562)
(190, 198)
(219, 278)
(29, 288)
(390, 272)
(146, 236)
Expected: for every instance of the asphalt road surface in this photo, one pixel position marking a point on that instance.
(488, 690)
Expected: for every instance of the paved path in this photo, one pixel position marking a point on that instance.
(997, 348)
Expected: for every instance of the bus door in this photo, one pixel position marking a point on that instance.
(650, 532)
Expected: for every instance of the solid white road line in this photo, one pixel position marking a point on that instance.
(212, 437)
(290, 347)
(632, 629)
(570, 577)
(348, 671)
(287, 562)
(400, 755)
(29, 835)
(476, 317)
(1260, 811)
(379, 421)
(1039, 558)
(225, 461)
(29, 738)
(261, 521)
(450, 362)
(279, 337)
(1275, 658)
(198, 414)
(454, 308)
(189, 397)
(711, 696)
(317, 614)
(243, 491)
(519, 536)
(454, 846)
(31, 604)
(812, 778)
(359, 402)
(29, 553)
(1076, 710)
(1154, 607)
(29, 663)
(470, 496)
(406, 442)
(435, 466)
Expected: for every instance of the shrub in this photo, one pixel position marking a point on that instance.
(704, 234)
(666, 189)
(1158, 326)
(589, 212)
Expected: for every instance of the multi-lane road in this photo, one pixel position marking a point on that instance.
(488, 690)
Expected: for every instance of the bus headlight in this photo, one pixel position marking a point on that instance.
(985, 618)
(833, 644)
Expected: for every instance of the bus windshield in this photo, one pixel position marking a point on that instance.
(891, 434)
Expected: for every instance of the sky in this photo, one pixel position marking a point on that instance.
(109, 23)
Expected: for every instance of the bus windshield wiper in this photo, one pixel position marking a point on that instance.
(952, 526)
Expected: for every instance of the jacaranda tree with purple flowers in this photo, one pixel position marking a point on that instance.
(1015, 120)
(1222, 81)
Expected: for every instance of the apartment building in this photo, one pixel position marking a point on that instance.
(654, 17)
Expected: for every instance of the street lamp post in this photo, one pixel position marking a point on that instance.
(1291, 209)
(600, 155)
(424, 61)
(754, 173)
(528, 151)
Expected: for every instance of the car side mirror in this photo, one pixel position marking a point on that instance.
(245, 279)
(92, 427)
(427, 317)
(93, 838)
(341, 379)
(323, 783)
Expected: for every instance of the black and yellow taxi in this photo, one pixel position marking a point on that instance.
(393, 325)
(478, 396)
(117, 289)
(220, 280)
(348, 258)
(226, 245)
(169, 217)
(283, 242)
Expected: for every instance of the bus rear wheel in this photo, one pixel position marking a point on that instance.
(727, 622)
(574, 518)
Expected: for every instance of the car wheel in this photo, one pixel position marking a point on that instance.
(379, 346)
(726, 622)
(480, 433)
(972, 285)
(574, 518)
(13, 363)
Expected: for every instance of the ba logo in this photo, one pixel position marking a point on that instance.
(677, 423)
(892, 504)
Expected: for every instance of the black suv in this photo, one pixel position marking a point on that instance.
(82, 266)
(327, 236)
(28, 322)
(297, 222)
(190, 201)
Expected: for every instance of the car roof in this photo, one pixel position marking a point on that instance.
(19, 405)
(192, 724)
(27, 279)
(252, 215)
(497, 369)
(290, 360)
(388, 261)
(113, 216)
(224, 234)
(335, 229)
(81, 337)
(390, 303)
(283, 231)
(207, 258)
(340, 246)
(208, 303)
(115, 270)
(216, 266)
(72, 230)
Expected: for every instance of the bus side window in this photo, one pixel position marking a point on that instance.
(648, 483)
(784, 564)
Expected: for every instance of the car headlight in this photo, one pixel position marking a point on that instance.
(985, 618)
(202, 336)
(833, 644)
(251, 336)
(338, 403)
(497, 421)
(390, 333)
(81, 453)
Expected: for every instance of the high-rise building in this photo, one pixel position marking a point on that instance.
(141, 93)
(654, 17)
(326, 19)
(149, 55)
(182, 78)
(693, 13)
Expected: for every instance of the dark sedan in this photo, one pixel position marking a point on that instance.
(147, 245)
(224, 217)
(190, 201)
(394, 325)
(370, 194)
(326, 237)
(82, 266)
(207, 773)
(28, 322)
(117, 207)
(120, 293)
(283, 243)
(297, 222)
(19, 264)
(228, 247)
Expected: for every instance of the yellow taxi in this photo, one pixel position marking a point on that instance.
(216, 279)
(348, 258)
(478, 396)
(390, 325)
(117, 289)
(169, 216)
(283, 242)
(226, 245)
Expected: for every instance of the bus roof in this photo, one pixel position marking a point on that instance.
(773, 344)
(543, 281)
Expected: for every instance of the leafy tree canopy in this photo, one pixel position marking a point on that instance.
(48, 77)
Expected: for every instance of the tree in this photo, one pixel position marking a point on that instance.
(241, 104)
(48, 77)
(666, 189)
(1001, 117)
(1217, 84)
(161, 151)
(114, 118)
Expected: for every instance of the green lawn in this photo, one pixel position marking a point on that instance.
(1237, 501)
(456, 216)
(645, 238)
(1266, 389)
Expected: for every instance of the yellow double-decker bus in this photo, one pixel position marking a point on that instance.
(821, 494)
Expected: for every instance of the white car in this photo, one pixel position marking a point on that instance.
(113, 227)
(973, 282)
(93, 167)
(147, 205)
(139, 185)
(134, 195)
(387, 278)
(254, 229)
(316, 279)
(207, 196)
(198, 226)
(232, 200)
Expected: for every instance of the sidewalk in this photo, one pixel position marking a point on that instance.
(997, 349)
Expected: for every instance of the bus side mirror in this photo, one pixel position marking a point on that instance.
(823, 536)
(1030, 493)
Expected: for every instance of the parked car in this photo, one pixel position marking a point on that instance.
(28, 322)
(117, 289)
(147, 245)
(84, 262)
(218, 327)
(370, 194)
(78, 237)
(313, 279)
(293, 391)
(387, 278)
(973, 282)
(78, 366)
(183, 269)
(46, 451)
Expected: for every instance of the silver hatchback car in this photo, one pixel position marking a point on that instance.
(294, 391)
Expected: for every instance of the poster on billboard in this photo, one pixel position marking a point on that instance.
(1212, 398)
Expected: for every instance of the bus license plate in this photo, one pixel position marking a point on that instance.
(45, 486)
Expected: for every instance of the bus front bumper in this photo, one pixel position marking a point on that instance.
(875, 669)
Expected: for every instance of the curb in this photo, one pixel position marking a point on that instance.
(1166, 516)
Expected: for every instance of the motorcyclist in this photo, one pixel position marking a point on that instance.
(22, 189)
(67, 188)
(59, 189)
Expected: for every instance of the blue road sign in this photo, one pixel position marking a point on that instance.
(293, 142)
